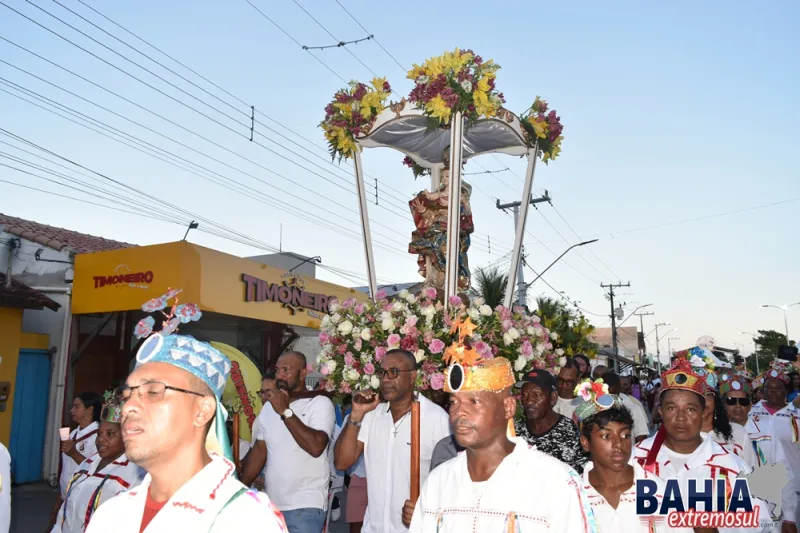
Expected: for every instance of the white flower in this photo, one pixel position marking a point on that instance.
(539, 348)
(428, 311)
(478, 301)
(419, 356)
(559, 352)
(331, 365)
(398, 306)
(423, 80)
(411, 298)
(467, 86)
(385, 315)
(346, 327)
(326, 320)
(335, 318)
(388, 325)
(353, 375)
(531, 330)
(485, 310)
(536, 319)
(473, 313)
(553, 336)
(520, 363)
(514, 333)
(507, 339)
(333, 307)
(374, 381)
(366, 334)
(562, 361)
(403, 294)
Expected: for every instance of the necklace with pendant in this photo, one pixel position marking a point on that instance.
(400, 422)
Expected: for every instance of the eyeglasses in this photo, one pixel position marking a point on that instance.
(567, 381)
(262, 392)
(391, 373)
(150, 392)
(744, 402)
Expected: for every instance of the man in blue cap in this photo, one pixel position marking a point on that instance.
(174, 427)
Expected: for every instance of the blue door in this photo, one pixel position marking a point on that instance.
(30, 415)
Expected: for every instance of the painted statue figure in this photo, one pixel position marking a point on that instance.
(429, 240)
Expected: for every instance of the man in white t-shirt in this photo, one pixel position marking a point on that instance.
(568, 379)
(382, 433)
(292, 439)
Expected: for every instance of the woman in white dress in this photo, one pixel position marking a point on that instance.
(81, 444)
(98, 478)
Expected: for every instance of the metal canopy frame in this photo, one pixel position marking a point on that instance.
(406, 129)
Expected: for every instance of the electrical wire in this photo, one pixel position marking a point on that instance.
(405, 70)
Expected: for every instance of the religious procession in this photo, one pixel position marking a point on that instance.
(206, 392)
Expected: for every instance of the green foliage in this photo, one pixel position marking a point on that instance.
(767, 344)
(572, 327)
(489, 284)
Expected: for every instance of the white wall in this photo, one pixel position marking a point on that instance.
(26, 269)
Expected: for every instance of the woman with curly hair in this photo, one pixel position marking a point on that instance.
(720, 429)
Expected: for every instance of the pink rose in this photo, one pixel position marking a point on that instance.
(411, 321)
(357, 345)
(324, 370)
(387, 307)
(344, 388)
(437, 381)
(436, 346)
(409, 344)
(369, 369)
(483, 349)
(428, 337)
(429, 293)
(455, 301)
(349, 359)
(393, 341)
(342, 349)
(380, 353)
(527, 349)
(309, 367)
(359, 309)
(347, 304)
(380, 295)
(324, 338)
(507, 325)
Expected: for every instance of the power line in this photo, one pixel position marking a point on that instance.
(578, 236)
(340, 44)
(559, 293)
(405, 70)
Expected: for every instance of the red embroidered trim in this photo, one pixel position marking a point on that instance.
(86, 436)
(115, 478)
(213, 494)
(187, 505)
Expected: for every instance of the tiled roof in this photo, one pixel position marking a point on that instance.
(20, 295)
(58, 238)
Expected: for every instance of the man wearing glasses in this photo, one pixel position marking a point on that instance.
(292, 438)
(568, 379)
(383, 434)
(173, 426)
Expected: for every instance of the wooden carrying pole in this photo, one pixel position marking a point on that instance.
(235, 443)
(415, 449)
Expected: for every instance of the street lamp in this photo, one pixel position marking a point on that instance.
(669, 344)
(584, 243)
(755, 347)
(634, 312)
(783, 308)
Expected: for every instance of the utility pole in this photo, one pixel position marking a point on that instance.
(522, 288)
(658, 349)
(611, 287)
(641, 326)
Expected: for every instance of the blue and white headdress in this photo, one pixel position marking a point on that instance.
(187, 353)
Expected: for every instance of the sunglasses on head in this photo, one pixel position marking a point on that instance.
(744, 402)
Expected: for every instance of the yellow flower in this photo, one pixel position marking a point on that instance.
(437, 107)
(345, 107)
(370, 100)
(378, 83)
(540, 127)
(483, 84)
(483, 105)
(415, 72)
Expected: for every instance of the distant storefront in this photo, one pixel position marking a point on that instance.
(258, 309)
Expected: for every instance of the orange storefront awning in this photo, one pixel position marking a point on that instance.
(122, 280)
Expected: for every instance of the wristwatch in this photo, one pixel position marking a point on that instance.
(353, 423)
(287, 414)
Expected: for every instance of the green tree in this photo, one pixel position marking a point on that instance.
(767, 344)
(489, 284)
(572, 328)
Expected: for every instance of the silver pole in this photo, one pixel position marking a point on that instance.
(523, 217)
(454, 209)
(364, 213)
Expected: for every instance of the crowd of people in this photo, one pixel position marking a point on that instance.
(548, 452)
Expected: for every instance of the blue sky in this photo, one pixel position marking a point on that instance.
(672, 111)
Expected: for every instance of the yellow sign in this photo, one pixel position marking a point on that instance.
(241, 389)
(122, 280)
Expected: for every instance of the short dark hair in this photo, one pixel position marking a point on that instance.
(611, 379)
(604, 418)
(584, 358)
(571, 364)
(408, 355)
(93, 400)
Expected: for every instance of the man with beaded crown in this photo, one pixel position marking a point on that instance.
(173, 425)
(492, 485)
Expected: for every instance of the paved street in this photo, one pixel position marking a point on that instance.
(31, 505)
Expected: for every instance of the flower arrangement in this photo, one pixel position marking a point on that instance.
(589, 390)
(544, 126)
(417, 169)
(355, 338)
(179, 314)
(352, 113)
(456, 81)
